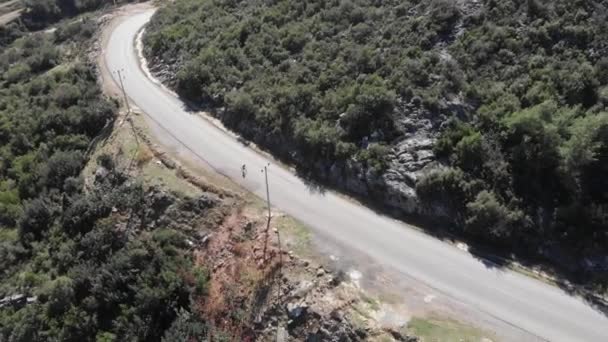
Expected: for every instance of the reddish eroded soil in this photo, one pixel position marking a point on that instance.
(257, 290)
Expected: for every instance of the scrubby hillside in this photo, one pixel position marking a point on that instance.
(77, 264)
(490, 115)
(105, 238)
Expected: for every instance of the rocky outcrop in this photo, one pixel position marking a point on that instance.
(411, 157)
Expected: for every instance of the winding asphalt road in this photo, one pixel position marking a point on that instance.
(524, 302)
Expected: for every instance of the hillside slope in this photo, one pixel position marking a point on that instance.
(489, 115)
(79, 262)
(103, 237)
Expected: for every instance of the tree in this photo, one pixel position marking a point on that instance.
(10, 206)
(373, 103)
(28, 328)
(469, 153)
(582, 148)
(66, 95)
(375, 157)
(489, 218)
(61, 165)
(106, 161)
(82, 214)
(446, 192)
(58, 296)
(578, 83)
(444, 14)
(295, 39)
(240, 105)
(42, 10)
(533, 143)
(37, 219)
(17, 73)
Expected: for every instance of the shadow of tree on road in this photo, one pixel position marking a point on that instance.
(314, 186)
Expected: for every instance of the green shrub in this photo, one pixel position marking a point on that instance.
(374, 157)
(17, 73)
(201, 279)
(37, 219)
(489, 218)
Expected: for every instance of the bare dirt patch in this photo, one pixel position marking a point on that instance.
(259, 289)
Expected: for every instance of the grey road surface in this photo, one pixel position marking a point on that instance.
(538, 308)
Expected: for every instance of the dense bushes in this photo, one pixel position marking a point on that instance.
(48, 116)
(98, 282)
(309, 79)
(536, 141)
(92, 277)
(101, 277)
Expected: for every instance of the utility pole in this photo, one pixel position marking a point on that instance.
(279, 292)
(124, 93)
(265, 170)
(270, 215)
(267, 191)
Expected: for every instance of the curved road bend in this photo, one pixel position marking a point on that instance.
(524, 302)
